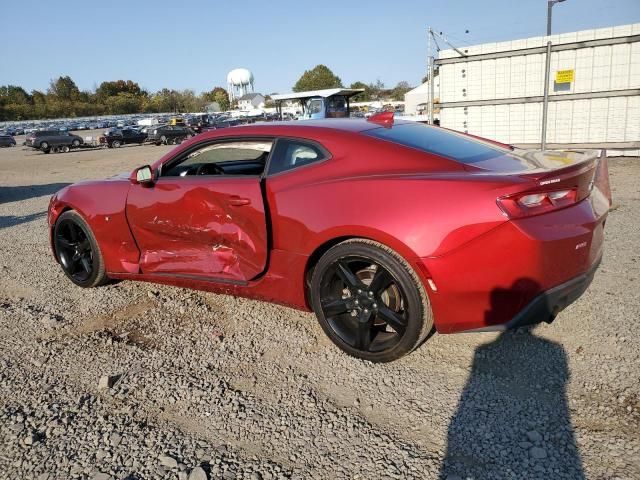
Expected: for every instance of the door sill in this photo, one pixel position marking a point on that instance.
(186, 276)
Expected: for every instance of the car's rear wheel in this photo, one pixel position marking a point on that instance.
(77, 251)
(369, 301)
(115, 144)
(76, 143)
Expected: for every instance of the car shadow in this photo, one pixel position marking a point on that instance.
(12, 221)
(512, 419)
(19, 193)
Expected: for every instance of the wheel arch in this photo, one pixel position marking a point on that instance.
(106, 218)
(52, 227)
(394, 244)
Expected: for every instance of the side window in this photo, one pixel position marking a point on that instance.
(247, 157)
(315, 106)
(290, 153)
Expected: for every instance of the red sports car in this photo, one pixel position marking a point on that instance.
(386, 230)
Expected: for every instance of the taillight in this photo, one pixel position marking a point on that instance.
(535, 203)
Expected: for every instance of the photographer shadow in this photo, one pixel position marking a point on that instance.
(513, 420)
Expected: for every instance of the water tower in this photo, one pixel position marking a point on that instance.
(240, 82)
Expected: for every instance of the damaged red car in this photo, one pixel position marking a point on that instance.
(387, 230)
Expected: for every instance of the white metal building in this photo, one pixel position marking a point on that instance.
(416, 101)
(496, 89)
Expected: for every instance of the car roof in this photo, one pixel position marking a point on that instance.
(346, 124)
(300, 127)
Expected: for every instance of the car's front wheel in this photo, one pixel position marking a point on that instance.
(369, 301)
(115, 144)
(77, 251)
(76, 143)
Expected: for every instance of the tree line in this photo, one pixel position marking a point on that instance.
(64, 99)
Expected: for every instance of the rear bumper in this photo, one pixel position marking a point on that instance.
(519, 271)
(546, 306)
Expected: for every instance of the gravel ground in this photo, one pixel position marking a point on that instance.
(136, 380)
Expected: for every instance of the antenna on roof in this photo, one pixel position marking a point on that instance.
(442, 37)
(383, 118)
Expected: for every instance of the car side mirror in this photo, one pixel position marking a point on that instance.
(142, 176)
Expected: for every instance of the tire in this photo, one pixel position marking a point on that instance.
(116, 144)
(163, 140)
(65, 149)
(79, 253)
(75, 143)
(380, 324)
(44, 146)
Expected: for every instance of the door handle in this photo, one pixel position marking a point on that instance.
(236, 201)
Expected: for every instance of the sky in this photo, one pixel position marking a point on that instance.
(195, 43)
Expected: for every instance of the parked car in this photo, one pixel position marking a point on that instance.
(7, 140)
(224, 123)
(169, 134)
(198, 123)
(385, 229)
(45, 139)
(115, 138)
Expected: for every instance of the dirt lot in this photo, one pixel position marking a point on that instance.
(245, 389)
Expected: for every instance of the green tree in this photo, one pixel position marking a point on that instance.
(317, 78)
(112, 88)
(164, 100)
(11, 94)
(221, 96)
(399, 90)
(374, 90)
(364, 96)
(123, 102)
(64, 88)
(218, 95)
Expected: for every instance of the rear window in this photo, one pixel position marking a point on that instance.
(438, 141)
(453, 146)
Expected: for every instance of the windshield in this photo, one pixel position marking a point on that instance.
(314, 106)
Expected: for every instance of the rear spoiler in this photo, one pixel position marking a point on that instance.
(601, 178)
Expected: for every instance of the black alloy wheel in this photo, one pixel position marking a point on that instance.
(77, 251)
(369, 301)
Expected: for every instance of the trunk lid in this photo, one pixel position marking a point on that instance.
(579, 169)
(550, 180)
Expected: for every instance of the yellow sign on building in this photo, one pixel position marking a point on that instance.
(564, 76)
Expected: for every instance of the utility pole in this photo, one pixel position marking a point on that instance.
(431, 82)
(545, 102)
(550, 4)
